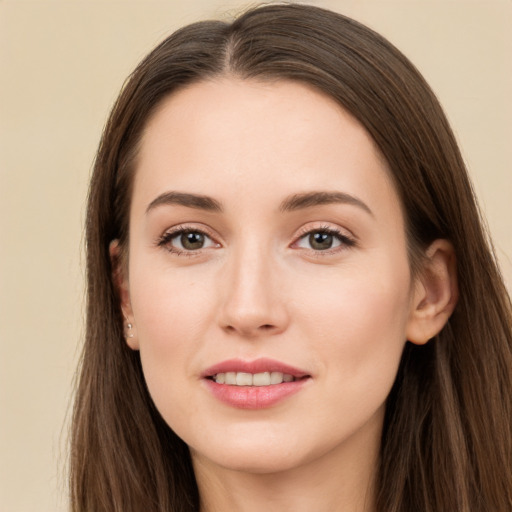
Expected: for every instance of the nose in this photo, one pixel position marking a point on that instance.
(253, 302)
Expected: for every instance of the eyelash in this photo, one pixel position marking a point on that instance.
(165, 240)
(346, 242)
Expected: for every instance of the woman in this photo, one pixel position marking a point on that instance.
(292, 303)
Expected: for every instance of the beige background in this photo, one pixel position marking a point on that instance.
(61, 66)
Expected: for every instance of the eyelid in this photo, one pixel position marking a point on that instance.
(347, 238)
(324, 226)
(165, 238)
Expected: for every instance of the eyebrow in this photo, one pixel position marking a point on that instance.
(310, 199)
(185, 199)
(292, 203)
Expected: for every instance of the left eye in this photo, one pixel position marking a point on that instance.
(188, 240)
(322, 240)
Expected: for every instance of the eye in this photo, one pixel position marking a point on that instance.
(323, 240)
(182, 240)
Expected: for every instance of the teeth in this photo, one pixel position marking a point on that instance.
(277, 378)
(230, 378)
(243, 379)
(261, 379)
(252, 379)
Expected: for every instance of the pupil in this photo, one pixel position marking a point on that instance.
(320, 241)
(192, 241)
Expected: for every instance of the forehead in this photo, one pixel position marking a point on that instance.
(283, 137)
(255, 112)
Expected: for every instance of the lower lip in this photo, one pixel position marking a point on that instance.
(254, 397)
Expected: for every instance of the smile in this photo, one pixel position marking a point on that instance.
(252, 379)
(257, 384)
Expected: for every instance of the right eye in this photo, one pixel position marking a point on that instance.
(326, 240)
(320, 240)
(186, 240)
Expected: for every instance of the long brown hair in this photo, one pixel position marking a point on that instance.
(447, 439)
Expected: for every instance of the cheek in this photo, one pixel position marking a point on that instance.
(357, 334)
(171, 311)
(357, 322)
(166, 301)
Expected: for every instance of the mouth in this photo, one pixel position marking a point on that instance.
(255, 384)
(259, 372)
(253, 379)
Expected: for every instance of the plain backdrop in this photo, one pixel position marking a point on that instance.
(61, 67)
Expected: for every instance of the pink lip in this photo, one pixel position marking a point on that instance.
(256, 366)
(254, 397)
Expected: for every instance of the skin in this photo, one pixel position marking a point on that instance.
(257, 288)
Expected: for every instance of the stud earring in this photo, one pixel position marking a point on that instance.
(129, 334)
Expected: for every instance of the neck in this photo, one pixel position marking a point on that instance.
(339, 480)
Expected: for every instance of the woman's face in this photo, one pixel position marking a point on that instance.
(268, 280)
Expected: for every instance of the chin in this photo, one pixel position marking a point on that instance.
(262, 450)
(269, 448)
(255, 460)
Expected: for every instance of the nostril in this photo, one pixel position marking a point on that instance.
(248, 331)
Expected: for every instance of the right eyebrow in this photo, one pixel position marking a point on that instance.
(185, 199)
(311, 199)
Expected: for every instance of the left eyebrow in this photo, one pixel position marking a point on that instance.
(310, 199)
(197, 201)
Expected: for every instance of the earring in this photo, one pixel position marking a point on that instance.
(129, 333)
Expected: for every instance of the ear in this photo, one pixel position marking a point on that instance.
(435, 293)
(120, 278)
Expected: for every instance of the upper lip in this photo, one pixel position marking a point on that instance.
(256, 366)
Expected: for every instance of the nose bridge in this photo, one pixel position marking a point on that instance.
(252, 300)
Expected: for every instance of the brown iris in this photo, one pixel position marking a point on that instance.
(320, 241)
(192, 240)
